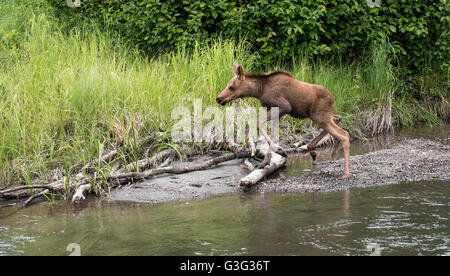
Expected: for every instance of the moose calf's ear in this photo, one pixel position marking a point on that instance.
(235, 67)
(238, 70)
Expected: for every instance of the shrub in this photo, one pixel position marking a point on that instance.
(280, 29)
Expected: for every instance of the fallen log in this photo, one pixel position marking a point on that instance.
(113, 153)
(25, 187)
(81, 184)
(79, 194)
(248, 165)
(143, 164)
(58, 186)
(276, 162)
(31, 198)
(133, 176)
(8, 205)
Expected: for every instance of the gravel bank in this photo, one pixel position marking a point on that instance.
(405, 160)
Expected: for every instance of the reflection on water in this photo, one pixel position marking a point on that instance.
(439, 133)
(403, 219)
(300, 164)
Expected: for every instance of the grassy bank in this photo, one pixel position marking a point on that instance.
(68, 97)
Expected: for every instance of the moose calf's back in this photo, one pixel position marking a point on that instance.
(301, 99)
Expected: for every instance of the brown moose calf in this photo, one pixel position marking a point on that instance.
(296, 98)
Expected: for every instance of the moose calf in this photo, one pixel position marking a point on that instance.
(296, 98)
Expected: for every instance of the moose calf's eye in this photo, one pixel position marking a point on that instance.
(232, 88)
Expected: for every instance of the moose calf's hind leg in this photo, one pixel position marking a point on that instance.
(312, 145)
(344, 138)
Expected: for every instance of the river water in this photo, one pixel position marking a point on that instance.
(403, 219)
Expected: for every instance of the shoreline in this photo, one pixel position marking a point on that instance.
(406, 160)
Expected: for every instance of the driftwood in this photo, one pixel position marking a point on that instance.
(133, 176)
(248, 165)
(8, 205)
(25, 187)
(276, 162)
(111, 154)
(79, 194)
(160, 157)
(31, 198)
(62, 185)
(58, 186)
(81, 184)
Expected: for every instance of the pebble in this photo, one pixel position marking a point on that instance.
(408, 160)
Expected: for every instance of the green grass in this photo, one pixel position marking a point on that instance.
(68, 97)
(65, 97)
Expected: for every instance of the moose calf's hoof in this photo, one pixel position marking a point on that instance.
(313, 155)
(263, 164)
(345, 176)
(260, 166)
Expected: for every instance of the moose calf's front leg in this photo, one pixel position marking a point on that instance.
(273, 147)
(266, 160)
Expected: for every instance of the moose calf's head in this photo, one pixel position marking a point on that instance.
(238, 86)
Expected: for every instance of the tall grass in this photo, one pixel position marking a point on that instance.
(64, 97)
(67, 97)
